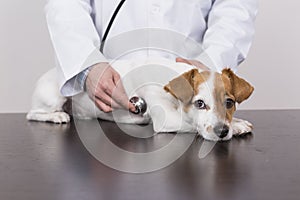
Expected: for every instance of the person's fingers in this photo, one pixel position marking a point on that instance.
(112, 95)
(105, 91)
(179, 59)
(105, 98)
(102, 106)
(104, 83)
(192, 62)
(100, 95)
(119, 94)
(108, 100)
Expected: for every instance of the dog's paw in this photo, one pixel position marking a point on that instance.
(59, 117)
(55, 117)
(240, 127)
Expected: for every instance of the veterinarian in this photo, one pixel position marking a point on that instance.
(224, 28)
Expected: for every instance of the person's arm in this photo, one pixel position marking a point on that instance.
(229, 34)
(75, 40)
(76, 43)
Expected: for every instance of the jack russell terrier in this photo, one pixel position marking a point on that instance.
(190, 100)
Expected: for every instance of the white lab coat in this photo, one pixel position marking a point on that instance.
(218, 33)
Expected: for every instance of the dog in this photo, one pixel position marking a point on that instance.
(185, 100)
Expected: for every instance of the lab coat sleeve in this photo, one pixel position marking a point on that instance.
(229, 34)
(75, 40)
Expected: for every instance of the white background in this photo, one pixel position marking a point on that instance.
(272, 65)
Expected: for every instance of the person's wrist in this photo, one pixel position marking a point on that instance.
(93, 70)
(86, 73)
(81, 78)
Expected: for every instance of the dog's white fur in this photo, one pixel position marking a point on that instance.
(165, 111)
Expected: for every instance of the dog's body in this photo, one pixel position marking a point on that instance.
(180, 98)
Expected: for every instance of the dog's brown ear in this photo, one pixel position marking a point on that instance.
(182, 86)
(240, 88)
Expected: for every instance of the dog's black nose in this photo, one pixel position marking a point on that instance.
(221, 130)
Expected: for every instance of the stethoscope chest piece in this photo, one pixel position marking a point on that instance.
(140, 105)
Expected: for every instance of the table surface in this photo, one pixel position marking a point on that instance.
(47, 161)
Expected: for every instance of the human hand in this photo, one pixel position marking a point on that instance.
(104, 87)
(195, 63)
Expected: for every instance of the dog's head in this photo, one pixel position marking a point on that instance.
(209, 100)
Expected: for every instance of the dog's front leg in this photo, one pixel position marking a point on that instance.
(166, 117)
(240, 126)
(165, 121)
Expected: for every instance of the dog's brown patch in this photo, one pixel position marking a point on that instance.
(182, 86)
(239, 88)
(229, 85)
(186, 86)
(199, 79)
(223, 88)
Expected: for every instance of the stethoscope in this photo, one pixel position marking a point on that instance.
(139, 103)
(111, 21)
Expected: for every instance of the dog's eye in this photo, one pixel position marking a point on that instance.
(199, 104)
(229, 103)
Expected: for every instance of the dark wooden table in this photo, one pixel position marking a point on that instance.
(46, 161)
